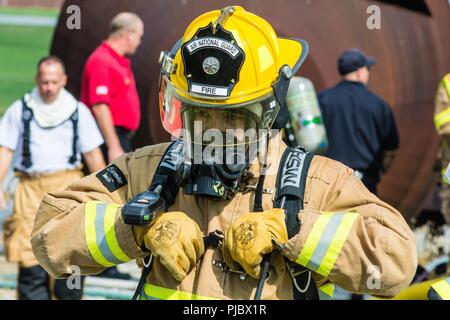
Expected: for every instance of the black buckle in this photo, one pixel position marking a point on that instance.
(222, 266)
(213, 239)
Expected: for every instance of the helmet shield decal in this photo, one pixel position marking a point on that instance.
(212, 62)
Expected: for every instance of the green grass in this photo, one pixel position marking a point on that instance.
(20, 49)
(49, 12)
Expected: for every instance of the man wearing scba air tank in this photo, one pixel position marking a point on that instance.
(218, 221)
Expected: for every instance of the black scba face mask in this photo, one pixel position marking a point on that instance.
(220, 142)
(220, 180)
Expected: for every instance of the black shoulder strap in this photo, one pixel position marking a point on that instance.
(74, 119)
(291, 184)
(27, 116)
(168, 174)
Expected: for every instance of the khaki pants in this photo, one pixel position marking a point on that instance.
(28, 196)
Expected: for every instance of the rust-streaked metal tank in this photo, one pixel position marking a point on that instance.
(412, 48)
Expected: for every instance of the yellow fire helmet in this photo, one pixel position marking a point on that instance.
(229, 71)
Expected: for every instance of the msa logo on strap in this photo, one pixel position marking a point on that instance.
(292, 169)
(174, 157)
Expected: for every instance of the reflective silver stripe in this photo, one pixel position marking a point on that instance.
(324, 296)
(100, 235)
(325, 241)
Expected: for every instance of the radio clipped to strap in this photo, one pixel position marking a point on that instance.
(291, 184)
(144, 207)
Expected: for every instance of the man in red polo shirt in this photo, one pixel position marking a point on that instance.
(108, 85)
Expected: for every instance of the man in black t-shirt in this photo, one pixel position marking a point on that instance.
(360, 126)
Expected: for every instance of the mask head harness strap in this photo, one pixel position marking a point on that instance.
(280, 88)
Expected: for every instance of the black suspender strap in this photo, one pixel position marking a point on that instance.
(257, 206)
(169, 173)
(74, 120)
(27, 116)
(291, 184)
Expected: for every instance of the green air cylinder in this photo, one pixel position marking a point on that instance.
(306, 119)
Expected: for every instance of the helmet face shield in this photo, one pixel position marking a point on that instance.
(170, 110)
(216, 124)
(218, 127)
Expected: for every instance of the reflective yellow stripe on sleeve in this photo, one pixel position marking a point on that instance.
(325, 241)
(110, 233)
(442, 118)
(101, 235)
(326, 291)
(442, 288)
(152, 292)
(446, 83)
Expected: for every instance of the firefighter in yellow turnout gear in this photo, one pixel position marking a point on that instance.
(230, 70)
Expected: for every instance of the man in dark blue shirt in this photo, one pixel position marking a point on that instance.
(360, 126)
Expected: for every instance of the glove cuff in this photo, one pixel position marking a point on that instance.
(291, 249)
(294, 246)
(139, 234)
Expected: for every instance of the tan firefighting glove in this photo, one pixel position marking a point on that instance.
(175, 239)
(250, 237)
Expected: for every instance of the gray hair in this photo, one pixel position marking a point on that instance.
(51, 59)
(124, 21)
